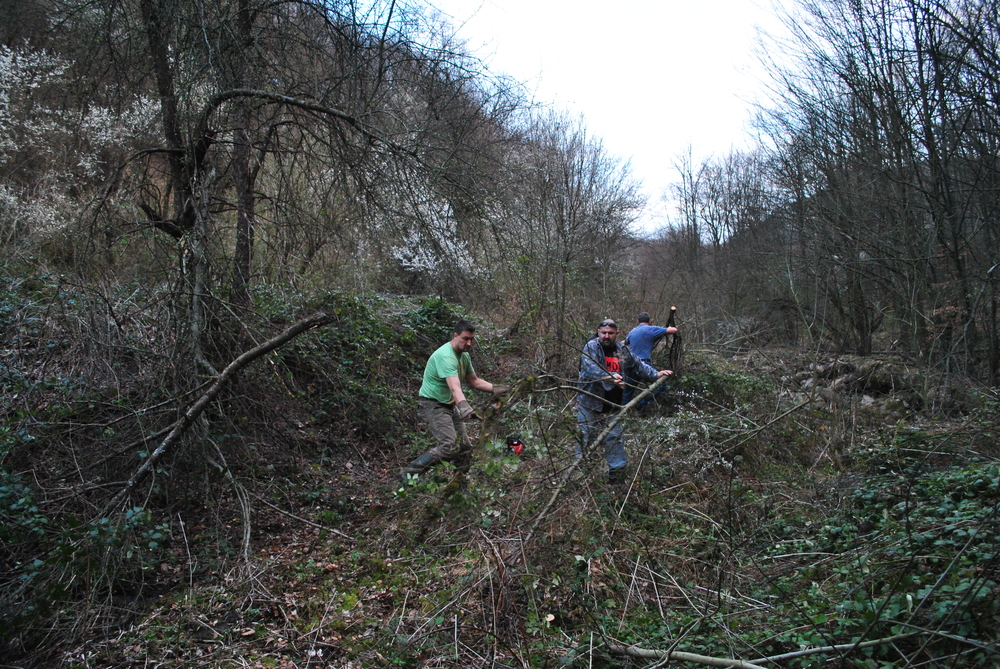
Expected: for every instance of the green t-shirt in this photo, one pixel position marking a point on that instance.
(442, 364)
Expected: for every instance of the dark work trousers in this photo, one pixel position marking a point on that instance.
(591, 424)
(453, 444)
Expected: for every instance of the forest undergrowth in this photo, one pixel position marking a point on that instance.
(783, 509)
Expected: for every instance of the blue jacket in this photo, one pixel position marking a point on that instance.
(592, 368)
(642, 339)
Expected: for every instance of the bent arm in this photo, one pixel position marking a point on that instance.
(455, 386)
(646, 372)
(478, 383)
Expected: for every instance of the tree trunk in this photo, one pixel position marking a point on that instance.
(242, 175)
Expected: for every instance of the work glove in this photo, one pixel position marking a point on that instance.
(464, 410)
(500, 390)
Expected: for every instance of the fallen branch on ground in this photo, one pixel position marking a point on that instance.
(649, 653)
(646, 653)
(838, 648)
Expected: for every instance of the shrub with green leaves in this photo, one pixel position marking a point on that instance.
(912, 553)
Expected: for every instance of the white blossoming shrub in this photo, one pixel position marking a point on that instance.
(49, 158)
(22, 74)
(434, 248)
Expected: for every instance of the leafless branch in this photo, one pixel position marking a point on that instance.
(196, 409)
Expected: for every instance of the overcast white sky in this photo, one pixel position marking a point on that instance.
(651, 77)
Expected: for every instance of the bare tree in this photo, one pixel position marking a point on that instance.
(887, 110)
(566, 231)
(325, 131)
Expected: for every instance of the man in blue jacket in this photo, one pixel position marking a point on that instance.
(641, 341)
(603, 367)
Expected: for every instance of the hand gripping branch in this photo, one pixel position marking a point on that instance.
(674, 349)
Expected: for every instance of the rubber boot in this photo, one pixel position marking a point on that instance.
(418, 467)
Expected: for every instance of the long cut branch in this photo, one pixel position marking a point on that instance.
(588, 447)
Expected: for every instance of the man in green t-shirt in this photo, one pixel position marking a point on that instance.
(442, 404)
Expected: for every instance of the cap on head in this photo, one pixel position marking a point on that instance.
(644, 317)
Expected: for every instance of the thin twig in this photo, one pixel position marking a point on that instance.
(590, 447)
(299, 518)
(631, 485)
(766, 425)
(837, 648)
(628, 595)
(187, 548)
